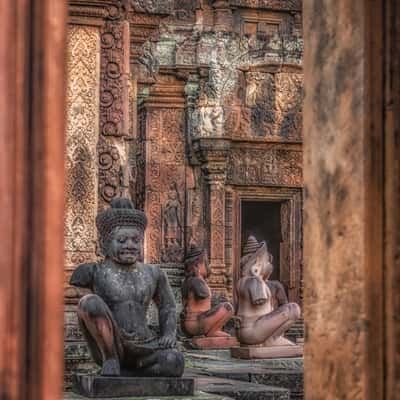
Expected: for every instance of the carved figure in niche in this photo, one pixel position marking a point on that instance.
(113, 317)
(171, 218)
(263, 310)
(173, 251)
(210, 121)
(198, 317)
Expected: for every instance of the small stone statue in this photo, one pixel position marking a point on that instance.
(263, 310)
(113, 318)
(198, 318)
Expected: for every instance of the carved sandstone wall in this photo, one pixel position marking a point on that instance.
(188, 108)
(232, 72)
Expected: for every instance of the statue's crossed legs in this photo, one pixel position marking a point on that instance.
(116, 354)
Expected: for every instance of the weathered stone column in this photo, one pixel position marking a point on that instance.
(213, 155)
(343, 240)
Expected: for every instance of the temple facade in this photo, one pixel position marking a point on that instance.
(193, 110)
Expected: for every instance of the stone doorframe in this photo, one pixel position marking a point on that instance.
(291, 220)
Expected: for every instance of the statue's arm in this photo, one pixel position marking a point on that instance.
(200, 288)
(280, 293)
(83, 276)
(165, 302)
(256, 288)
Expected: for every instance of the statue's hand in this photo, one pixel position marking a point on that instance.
(167, 341)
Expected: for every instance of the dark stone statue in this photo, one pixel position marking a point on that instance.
(113, 318)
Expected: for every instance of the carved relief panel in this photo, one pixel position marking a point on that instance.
(163, 141)
(82, 135)
(274, 165)
(272, 107)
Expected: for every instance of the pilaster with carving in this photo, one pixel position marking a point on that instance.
(162, 153)
(213, 154)
(113, 148)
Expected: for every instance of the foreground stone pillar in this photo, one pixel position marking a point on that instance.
(32, 85)
(343, 240)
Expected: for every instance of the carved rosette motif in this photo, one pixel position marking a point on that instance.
(110, 171)
(82, 135)
(113, 152)
(112, 83)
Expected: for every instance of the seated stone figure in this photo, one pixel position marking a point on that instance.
(198, 317)
(113, 318)
(263, 310)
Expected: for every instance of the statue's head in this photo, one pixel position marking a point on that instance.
(121, 231)
(256, 259)
(196, 262)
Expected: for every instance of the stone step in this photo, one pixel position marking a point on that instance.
(281, 373)
(197, 396)
(222, 359)
(240, 390)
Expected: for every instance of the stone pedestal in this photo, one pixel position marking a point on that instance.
(212, 342)
(250, 352)
(198, 395)
(96, 386)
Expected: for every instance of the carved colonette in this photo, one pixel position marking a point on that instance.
(114, 103)
(213, 154)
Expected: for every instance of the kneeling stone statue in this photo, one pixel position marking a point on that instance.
(263, 312)
(113, 318)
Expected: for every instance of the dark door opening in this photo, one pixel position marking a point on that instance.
(262, 219)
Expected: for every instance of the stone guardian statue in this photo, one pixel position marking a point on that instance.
(113, 317)
(199, 320)
(263, 312)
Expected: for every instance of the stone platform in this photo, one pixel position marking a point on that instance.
(207, 342)
(240, 390)
(97, 386)
(284, 373)
(251, 352)
(197, 396)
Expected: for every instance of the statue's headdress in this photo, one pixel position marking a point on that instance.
(251, 246)
(120, 213)
(192, 256)
(251, 251)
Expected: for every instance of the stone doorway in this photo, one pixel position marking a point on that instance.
(273, 215)
(262, 219)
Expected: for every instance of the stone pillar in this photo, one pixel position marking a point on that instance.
(32, 126)
(343, 240)
(213, 155)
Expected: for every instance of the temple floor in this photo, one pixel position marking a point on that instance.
(220, 377)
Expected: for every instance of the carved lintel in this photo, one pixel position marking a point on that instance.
(168, 92)
(213, 154)
(278, 5)
(223, 19)
(88, 12)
